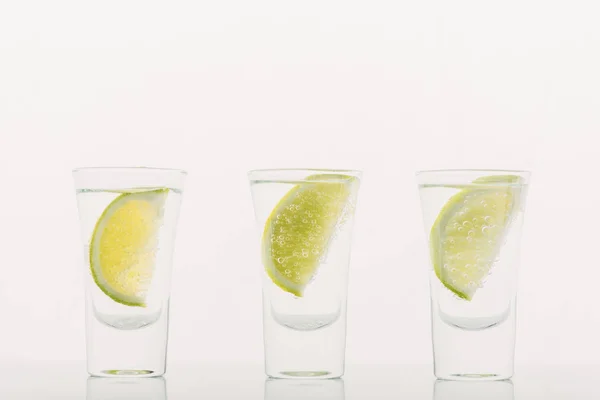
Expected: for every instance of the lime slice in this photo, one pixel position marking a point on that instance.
(298, 231)
(124, 245)
(469, 232)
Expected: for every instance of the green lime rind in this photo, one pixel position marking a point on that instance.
(93, 257)
(319, 194)
(453, 203)
(466, 206)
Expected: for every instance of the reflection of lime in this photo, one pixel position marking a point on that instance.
(300, 227)
(124, 244)
(469, 231)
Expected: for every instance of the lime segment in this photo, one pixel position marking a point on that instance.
(469, 232)
(124, 245)
(300, 227)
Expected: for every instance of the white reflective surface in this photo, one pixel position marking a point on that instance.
(70, 381)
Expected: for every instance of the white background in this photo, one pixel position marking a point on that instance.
(221, 87)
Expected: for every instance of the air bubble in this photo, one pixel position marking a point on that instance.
(467, 224)
(280, 260)
(485, 230)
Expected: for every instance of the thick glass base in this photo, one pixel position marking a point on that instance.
(473, 355)
(313, 375)
(304, 354)
(132, 353)
(472, 377)
(126, 373)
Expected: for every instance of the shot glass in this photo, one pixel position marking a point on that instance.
(305, 220)
(128, 219)
(473, 221)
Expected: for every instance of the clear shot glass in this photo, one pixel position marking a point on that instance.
(128, 219)
(305, 220)
(473, 221)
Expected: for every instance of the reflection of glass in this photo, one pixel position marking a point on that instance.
(473, 224)
(473, 390)
(305, 221)
(128, 219)
(285, 389)
(126, 389)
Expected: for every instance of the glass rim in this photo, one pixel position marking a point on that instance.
(327, 170)
(128, 169)
(472, 170)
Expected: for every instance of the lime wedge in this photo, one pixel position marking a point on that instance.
(124, 245)
(300, 227)
(469, 232)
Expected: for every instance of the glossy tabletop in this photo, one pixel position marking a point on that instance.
(62, 380)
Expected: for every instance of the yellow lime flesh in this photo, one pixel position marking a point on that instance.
(124, 244)
(300, 227)
(467, 236)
